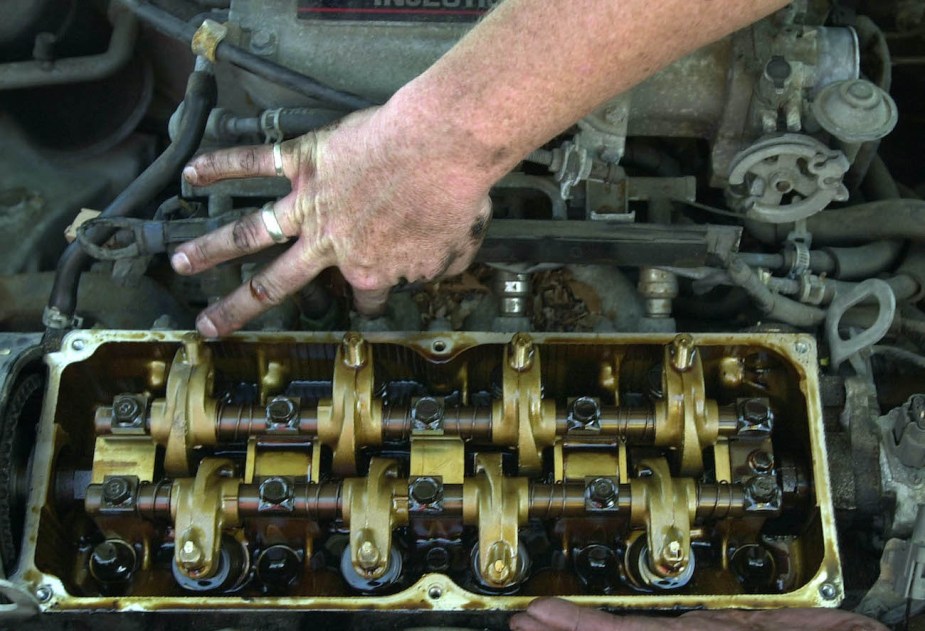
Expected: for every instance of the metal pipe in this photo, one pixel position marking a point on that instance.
(17, 75)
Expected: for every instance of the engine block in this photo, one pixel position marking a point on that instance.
(439, 471)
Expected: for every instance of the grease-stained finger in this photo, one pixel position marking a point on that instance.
(239, 162)
(266, 289)
(245, 236)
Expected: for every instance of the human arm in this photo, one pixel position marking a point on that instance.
(401, 192)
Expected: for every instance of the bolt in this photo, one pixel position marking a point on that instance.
(828, 591)
(79, 344)
(762, 488)
(756, 411)
(425, 491)
(427, 411)
(274, 490)
(355, 351)
(760, 461)
(116, 490)
(521, 353)
(682, 351)
(602, 492)
(125, 409)
(368, 555)
(261, 39)
(585, 410)
(280, 411)
(190, 556)
(434, 592)
(801, 347)
(43, 593)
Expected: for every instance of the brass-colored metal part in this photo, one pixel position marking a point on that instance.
(665, 506)
(438, 455)
(685, 418)
(352, 418)
(201, 508)
(185, 418)
(373, 507)
(207, 38)
(526, 419)
(665, 510)
(125, 456)
(499, 505)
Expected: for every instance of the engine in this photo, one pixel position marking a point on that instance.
(684, 371)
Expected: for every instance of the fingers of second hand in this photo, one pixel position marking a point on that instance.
(266, 289)
(245, 236)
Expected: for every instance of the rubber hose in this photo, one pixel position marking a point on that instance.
(269, 70)
(197, 103)
(774, 306)
(889, 219)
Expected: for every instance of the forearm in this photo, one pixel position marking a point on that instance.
(531, 68)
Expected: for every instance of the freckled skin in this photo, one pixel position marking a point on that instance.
(401, 192)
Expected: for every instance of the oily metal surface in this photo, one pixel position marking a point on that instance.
(798, 351)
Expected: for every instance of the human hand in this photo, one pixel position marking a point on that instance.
(552, 614)
(370, 196)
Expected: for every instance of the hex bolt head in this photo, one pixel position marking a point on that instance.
(585, 410)
(603, 492)
(425, 491)
(756, 410)
(116, 490)
(280, 411)
(125, 409)
(762, 488)
(427, 411)
(274, 490)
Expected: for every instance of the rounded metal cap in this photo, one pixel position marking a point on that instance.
(855, 111)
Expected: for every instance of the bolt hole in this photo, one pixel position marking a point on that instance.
(434, 592)
(783, 186)
(439, 346)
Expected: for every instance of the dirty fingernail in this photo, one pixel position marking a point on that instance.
(189, 174)
(206, 327)
(181, 263)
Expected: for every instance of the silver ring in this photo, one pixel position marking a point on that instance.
(278, 159)
(271, 223)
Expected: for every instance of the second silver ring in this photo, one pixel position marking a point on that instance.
(271, 223)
